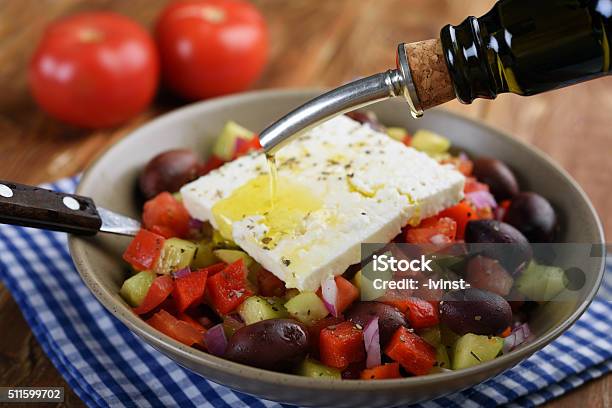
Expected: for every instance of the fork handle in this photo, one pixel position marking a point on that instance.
(37, 207)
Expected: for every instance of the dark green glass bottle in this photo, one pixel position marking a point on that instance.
(528, 46)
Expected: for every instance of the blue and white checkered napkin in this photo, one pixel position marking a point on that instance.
(107, 365)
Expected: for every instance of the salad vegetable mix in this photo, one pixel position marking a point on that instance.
(192, 284)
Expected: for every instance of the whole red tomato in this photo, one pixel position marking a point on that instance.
(211, 47)
(94, 70)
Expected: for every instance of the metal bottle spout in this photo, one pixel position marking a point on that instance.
(354, 95)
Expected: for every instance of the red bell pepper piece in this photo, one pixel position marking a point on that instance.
(144, 250)
(382, 372)
(215, 269)
(341, 345)
(268, 284)
(412, 352)
(315, 331)
(189, 289)
(177, 329)
(159, 290)
(228, 288)
(421, 313)
(432, 230)
(166, 215)
(462, 213)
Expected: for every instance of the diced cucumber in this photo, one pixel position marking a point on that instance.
(204, 255)
(448, 338)
(472, 349)
(225, 146)
(397, 133)
(314, 369)
(135, 288)
(176, 254)
(256, 308)
(442, 359)
(367, 288)
(541, 282)
(430, 142)
(232, 255)
(432, 335)
(307, 307)
(357, 280)
(220, 242)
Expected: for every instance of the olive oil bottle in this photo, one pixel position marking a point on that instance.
(528, 46)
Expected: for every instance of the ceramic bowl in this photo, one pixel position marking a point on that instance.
(110, 180)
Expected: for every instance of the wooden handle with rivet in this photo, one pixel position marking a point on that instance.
(37, 207)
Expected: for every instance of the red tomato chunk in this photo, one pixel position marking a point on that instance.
(144, 250)
(461, 213)
(432, 231)
(189, 289)
(158, 292)
(166, 216)
(228, 288)
(179, 330)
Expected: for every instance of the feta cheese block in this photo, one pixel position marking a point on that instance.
(339, 185)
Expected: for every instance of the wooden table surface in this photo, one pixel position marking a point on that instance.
(314, 43)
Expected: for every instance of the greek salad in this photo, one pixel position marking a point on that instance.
(204, 284)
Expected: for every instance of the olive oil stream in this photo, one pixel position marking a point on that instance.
(273, 175)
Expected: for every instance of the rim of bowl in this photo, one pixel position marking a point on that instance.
(161, 341)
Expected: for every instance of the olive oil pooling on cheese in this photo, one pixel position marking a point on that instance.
(280, 204)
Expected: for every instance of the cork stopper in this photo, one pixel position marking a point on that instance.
(429, 73)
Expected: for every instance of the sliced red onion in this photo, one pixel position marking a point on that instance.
(463, 156)
(371, 338)
(181, 273)
(195, 228)
(195, 224)
(215, 340)
(329, 290)
(481, 199)
(520, 334)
